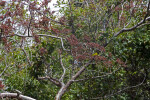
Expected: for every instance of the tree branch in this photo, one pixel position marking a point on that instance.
(64, 70)
(128, 29)
(137, 25)
(66, 86)
(107, 74)
(134, 27)
(43, 35)
(27, 56)
(15, 95)
(53, 80)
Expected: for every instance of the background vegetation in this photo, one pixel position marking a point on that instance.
(93, 49)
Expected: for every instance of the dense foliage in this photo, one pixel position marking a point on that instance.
(89, 49)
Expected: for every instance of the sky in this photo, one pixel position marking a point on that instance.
(53, 2)
(52, 5)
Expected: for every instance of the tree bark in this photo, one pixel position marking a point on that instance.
(60, 93)
(66, 86)
(14, 95)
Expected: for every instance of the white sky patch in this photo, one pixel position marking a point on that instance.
(53, 7)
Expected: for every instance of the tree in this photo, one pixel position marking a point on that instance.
(62, 50)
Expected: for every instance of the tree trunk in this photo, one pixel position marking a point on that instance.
(66, 86)
(60, 93)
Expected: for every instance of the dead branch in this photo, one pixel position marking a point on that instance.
(53, 80)
(14, 95)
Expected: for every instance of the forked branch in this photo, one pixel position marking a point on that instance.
(53, 80)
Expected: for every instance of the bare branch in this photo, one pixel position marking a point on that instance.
(132, 28)
(65, 87)
(44, 35)
(107, 74)
(143, 25)
(64, 70)
(135, 26)
(14, 95)
(30, 64)
(129, 29)
(53, 80)
(122, 6)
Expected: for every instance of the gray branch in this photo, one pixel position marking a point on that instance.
(14, 95)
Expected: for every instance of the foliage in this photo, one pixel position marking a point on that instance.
(134, 49)
(95, 49)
